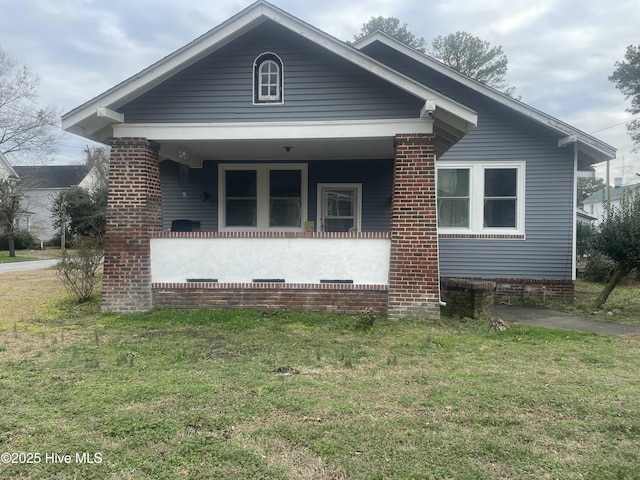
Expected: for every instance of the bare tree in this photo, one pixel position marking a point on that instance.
(25, 128)
(11, 195)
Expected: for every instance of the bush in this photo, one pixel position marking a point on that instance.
(79, 270)
(599, 268)
(23, 240)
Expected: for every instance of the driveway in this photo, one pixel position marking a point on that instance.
(541, 317)
(24, 266)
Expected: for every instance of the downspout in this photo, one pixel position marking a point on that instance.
(574, 255)
(440, 301)
(563, 142)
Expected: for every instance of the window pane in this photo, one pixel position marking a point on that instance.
(453, 212)
(338, 224)
(241, 183)
(340, 203)
(284, 198)
(500, 213)
(284, 213)
(285, 183)
(500, 182)
(241, 213)
(453, 182)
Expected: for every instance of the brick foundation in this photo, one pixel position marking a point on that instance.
(350, 299)
(414, 287)
(468, 298)
(133, 212)
(519, 290)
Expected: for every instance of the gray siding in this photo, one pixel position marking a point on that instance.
(318, 85)
(375, 176)
(502, 135)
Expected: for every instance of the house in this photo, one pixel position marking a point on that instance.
(23, 217)
(304, 172)
(584, 217)
(596, 204)
(41, 185)
(6, 170)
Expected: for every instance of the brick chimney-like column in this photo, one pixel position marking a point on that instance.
(414, 287)
(133, 211)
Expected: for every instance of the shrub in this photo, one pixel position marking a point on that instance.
(599, 268)
(23, 240)
(79, 270)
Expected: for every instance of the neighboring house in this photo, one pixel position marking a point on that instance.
(306, 170)
(584, 217)
(6, 170)
(41, 184)
(596, 204)
(23, 220)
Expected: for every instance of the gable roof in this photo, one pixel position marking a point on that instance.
(6, 170)
(93, 118)
(52, 176)
(615, 193)
(594, 149)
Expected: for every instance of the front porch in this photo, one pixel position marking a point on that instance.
(395, 271)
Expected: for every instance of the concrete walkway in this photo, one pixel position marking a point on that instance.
(24, 266)
(541, 317)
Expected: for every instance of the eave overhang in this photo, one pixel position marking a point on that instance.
(590, 148)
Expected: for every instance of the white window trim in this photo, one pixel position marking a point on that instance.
(319, 205)
(476, 198)
(262, 194)
(257, 64)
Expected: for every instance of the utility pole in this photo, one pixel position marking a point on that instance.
(63, 227)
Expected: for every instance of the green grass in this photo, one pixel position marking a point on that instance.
(29, 255)
(623, 305)
(238, 394)
(5, 258)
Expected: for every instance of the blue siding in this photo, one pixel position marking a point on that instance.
(503, 135)
(318, 85)
(375, 176)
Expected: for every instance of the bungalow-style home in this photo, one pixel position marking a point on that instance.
(596, 204)
(41, 184)
(267, 164)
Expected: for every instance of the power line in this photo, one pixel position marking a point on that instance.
(616, 125)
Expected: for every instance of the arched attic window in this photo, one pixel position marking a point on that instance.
(268, 79)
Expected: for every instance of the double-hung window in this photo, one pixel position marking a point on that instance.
(255, 197)
(339, 207)
(484, 198)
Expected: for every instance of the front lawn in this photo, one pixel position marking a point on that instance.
(623, 305)
(250, 395)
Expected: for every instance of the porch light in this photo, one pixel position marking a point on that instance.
(204, 196)
(183, 153)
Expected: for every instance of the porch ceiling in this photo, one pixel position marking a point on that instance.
(279, 150)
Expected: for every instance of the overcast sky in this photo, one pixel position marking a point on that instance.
(561, 52)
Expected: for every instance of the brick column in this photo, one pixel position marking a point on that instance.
(414, 287)
(133, 211)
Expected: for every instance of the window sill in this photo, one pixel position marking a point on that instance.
(483, 236)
